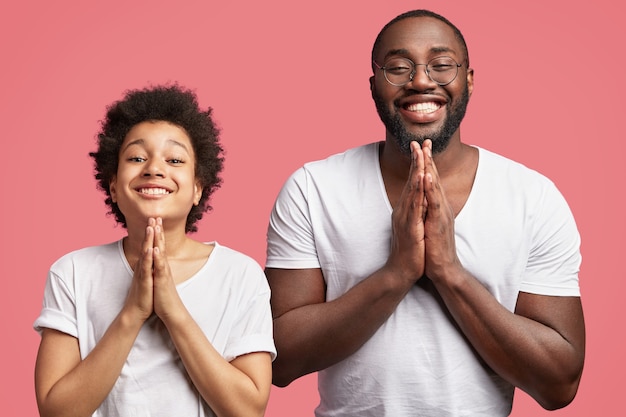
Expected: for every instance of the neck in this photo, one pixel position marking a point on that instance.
(456, 167)
(396, 164)
(175, 239)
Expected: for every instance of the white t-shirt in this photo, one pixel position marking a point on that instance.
(228, 298)
(515, 233)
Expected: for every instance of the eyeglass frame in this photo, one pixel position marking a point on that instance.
(414, 71)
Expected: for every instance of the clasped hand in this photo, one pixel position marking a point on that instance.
(153, 289)
(422, 223)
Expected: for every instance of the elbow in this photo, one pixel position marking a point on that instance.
(558, 387)
(258, 411)
(281, 377)
(280, 382)
(559, 398)
(558, 395)
(556, 403)
(285, 371)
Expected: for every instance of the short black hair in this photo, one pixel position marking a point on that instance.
(169, 103)
(420, 13)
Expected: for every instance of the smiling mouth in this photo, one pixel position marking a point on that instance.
(425, 108)
(154, 191)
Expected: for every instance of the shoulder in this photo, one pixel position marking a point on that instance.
(233, 259)
(506, 169)
(517, 184)
(345, 159)
(335, 167)
(87, 254)
(238, 269)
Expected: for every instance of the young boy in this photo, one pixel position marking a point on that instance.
(156, 324)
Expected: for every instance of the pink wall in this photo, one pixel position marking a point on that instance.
(289, 83)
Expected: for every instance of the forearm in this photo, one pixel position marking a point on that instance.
(315, 336)
(81, 390)
(529, 354)
(227, 390)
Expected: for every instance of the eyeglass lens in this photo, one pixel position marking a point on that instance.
(400, 71)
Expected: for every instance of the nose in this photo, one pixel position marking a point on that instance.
(421, 80)
(153, 168)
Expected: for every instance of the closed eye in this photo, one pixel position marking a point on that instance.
(442, 67)
(398, 69)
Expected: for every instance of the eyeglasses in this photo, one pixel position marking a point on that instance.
(400, 71)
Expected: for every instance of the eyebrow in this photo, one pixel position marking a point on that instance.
(141, 142)
(435, 49)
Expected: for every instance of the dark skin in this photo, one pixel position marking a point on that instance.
(540, 347)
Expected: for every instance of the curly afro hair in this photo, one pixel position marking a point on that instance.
(172, 104)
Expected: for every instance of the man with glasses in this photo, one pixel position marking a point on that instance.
(419, 275)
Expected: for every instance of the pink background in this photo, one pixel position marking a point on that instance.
(289, 83)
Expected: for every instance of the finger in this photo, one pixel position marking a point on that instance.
(432, 196)
(160, 259)
(413, 185)
(159, 235)
(148, 241)
(432, 187)
(429, 162)
(146, 262)
(416, 182)
(159, 262)
(417, 163)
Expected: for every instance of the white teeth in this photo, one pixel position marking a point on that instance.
(424, 107)
(153, 191)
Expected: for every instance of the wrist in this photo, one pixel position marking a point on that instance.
(400, 279)
(131, 319)
(450, 276)
(174, 316)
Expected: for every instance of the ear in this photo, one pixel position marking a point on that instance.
(197, 193)
(470, 80)
(373, 88)
(112, 188)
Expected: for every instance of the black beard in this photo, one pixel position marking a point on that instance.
(440, 139)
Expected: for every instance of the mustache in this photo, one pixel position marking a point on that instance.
(413, 93)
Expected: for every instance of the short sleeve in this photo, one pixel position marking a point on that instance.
(252, 331)
(555, 257)
(290, 239)
(59, 309)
